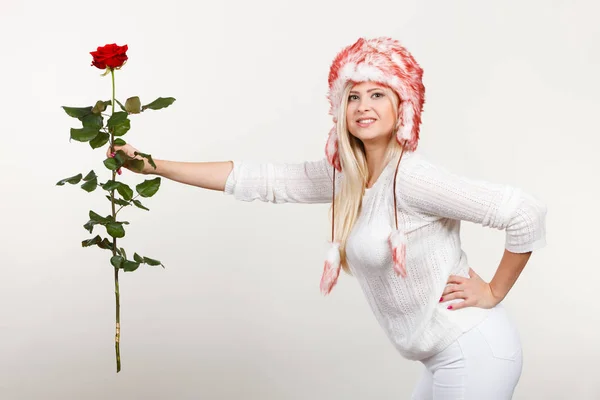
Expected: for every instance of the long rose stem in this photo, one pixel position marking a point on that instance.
(114, 214)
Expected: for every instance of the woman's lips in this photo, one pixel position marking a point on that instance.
(365, 122)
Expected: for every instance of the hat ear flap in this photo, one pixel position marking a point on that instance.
(408, 125)
(331, 149)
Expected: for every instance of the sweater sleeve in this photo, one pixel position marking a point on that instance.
(305, 182)
(434, 191)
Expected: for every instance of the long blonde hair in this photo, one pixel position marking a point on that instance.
(348, 201)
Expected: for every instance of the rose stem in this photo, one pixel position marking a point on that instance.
(114, 214)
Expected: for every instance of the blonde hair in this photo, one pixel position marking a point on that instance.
(348, 201)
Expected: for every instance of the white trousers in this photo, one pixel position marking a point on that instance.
(485, 363)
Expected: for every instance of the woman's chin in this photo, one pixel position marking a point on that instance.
(372, 137)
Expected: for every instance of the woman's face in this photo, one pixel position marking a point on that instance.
(370, 115)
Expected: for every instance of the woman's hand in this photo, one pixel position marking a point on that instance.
(474, 290)
(130, 151)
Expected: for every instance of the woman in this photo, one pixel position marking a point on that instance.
(398, 219)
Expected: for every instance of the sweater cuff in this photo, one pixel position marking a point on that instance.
(231, 181)
(527, 231)
(525, 248)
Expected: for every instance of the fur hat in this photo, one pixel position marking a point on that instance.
(385, 61)
(381, 60)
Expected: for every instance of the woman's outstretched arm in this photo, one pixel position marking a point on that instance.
(303, 182)
(206, 175)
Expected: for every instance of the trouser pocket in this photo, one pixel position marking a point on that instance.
(501, 334)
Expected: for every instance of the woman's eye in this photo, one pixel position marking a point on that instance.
(352, 97)
(377, 95)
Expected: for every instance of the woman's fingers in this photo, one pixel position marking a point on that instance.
(452, 288)
(116, 148)
(453, 296)
(130, 151)
(127, 149)
(468, 302)
(456, 279)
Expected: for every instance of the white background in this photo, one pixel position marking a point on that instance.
(512, 97)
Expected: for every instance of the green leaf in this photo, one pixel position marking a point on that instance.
(115, 229)
(98, 241)
(117, 118)
(111, 163)
(117, 261)
(159, 103)
(149, 187)
(147, 260)
(125, 191)
(119, 201)
(123, 252)
(122, 202)
(100, 140)
(152, 262)
(120, 105)
(73, 180)
(138, 204)
(77, 112)
(98, 218)
(121, 157)
(133, 105)
(91, 175)
(136, 165)
(122, 128)
(130, 266)
(105, 244)
(89, 226)
(90, 185)
(146, 156)
(120, 142)
(93, 121)
(117, 161)
(84, 134)
(111, 185)
(138, 258)
(101, 106)
(118, 123)
(91, 242)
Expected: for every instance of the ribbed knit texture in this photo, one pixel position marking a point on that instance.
(431, 203)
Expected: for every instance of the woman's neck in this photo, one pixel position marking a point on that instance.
(376, 162)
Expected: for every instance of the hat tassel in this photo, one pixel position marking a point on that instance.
(397, 241)
(331, 269)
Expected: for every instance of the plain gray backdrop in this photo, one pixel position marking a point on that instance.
(512, 97)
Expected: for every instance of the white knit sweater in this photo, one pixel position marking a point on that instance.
(431, 203)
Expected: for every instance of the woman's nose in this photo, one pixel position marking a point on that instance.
(363, 106)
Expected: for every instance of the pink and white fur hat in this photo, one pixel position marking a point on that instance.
(382, 60)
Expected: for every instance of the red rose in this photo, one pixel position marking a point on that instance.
(111, 56)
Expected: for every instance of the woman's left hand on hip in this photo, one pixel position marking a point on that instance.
(474, 290)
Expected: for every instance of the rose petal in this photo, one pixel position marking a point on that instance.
(110, 55)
